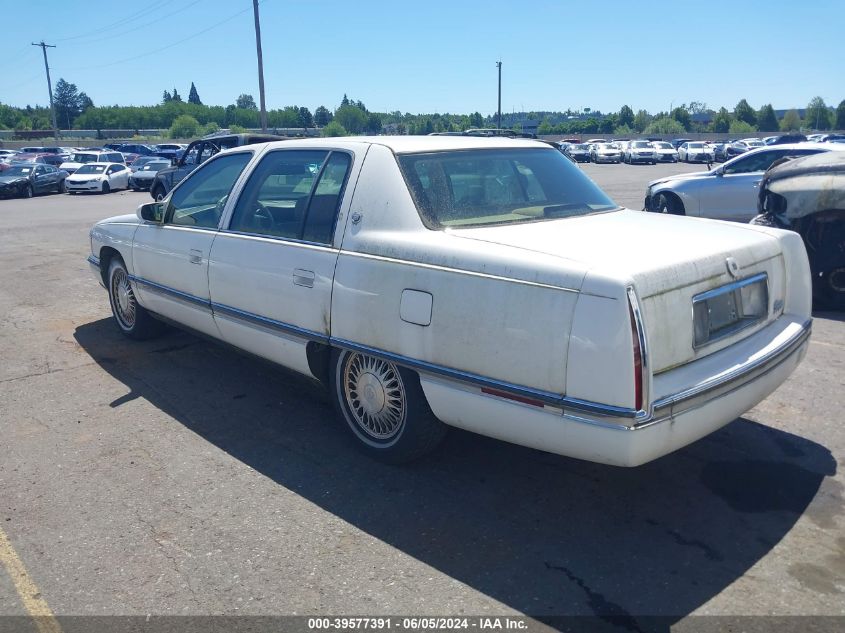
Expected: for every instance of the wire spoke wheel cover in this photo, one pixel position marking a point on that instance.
(374, 396)
(122, 299)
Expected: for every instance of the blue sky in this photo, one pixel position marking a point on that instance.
(433, 56)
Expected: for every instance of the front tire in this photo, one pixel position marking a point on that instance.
(669, 205)
(106, 188)
(28, 192)
(62, 188)
(132, 319)
(384, 408)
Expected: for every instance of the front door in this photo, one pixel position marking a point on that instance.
(170, 259)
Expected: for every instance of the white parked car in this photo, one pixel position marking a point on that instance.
(728, 192)
(640, 152)
(83, 158)
(696, 152)
(605, 153)
(664, 152)
(99, 178)
(483, 283)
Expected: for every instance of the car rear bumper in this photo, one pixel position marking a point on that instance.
(691, 402)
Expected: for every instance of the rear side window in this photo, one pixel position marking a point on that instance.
(498, 186)
(293, 194)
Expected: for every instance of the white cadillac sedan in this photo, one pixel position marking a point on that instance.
(482, 283)
(98, 178)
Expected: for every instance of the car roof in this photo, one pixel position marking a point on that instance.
(411, 144)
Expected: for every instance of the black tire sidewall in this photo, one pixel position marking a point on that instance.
(420, 431)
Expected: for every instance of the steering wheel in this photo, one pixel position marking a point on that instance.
(261, 217)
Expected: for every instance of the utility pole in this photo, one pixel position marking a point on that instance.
(44, 48)
(260, 67)
(499, 123)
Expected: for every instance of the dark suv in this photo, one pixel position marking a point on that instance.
(196, 154)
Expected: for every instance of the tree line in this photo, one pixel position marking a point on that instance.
(183, 119)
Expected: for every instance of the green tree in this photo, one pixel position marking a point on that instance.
(333, 128)
(85, 102)
(476, 120)
(351, 118)
(305, 118)
(166, 97)
(664, 125)
(66, 102)
(193, 95)
(641, 120)
(682, 116)
(210, 128)
(176, 96)
(322, 116)
(744, 112)
(840, 116)
(246, 102)
(184, 126)
(721, 122)
(626, 116)
(818, 114)
(766, 119)
(741, 127)
(791, 121)
(374, 124)
(623, 130)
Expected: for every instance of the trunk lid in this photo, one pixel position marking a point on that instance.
(668, 260)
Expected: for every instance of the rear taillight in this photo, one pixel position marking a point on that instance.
(639, 353)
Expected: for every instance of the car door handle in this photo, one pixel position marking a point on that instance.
(303, 278)
(195, 256)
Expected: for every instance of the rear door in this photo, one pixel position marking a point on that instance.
(272, 268)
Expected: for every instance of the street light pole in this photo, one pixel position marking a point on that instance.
(499, 119)
(260, 67)
(44, 48)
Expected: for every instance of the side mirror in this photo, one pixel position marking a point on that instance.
(151, 212)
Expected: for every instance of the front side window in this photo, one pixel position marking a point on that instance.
(198, 201)
(499, 186)
(293, 194)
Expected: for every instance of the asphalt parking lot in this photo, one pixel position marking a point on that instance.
(178, 477)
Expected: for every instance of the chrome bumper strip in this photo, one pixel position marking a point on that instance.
(694, 397)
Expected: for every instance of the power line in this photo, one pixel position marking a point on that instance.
(163, 48)
(121, 22)
(137, 27)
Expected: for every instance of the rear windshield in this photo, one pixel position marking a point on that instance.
(498, 186)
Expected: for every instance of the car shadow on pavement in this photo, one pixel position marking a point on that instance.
(542, 534)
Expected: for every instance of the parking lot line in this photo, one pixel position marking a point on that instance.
(34, 604)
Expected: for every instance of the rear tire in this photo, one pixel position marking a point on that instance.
(62, 188)
(829, 290)
(384, 408)
(132, 319)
